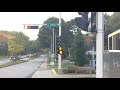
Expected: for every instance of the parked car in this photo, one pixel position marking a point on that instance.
(14, 58)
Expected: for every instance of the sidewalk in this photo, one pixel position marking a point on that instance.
(43, 71)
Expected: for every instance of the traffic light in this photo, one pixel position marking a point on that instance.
(82, 22)
(93, 22)
(58, 43)
(30, 27)
(58, 40)
(60, 50)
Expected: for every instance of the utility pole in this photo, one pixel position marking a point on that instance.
(55, 47)
(53, 43)
(59, 56)
(51, 48)
(99, 44)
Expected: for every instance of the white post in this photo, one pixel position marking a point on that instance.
(60, 25)
(99, 44)
(108, 43)
(112, 42)
(59, 56)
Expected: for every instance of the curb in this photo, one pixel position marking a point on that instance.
(54, 72)
(36, 71)
(35, 74)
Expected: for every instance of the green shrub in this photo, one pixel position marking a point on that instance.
(76, 69)
(69, 70)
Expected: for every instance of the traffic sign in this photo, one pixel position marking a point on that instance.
(53, 24)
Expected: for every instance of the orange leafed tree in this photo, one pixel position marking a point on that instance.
(7, 36)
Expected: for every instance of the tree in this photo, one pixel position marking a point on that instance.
(89, 41)
(4, 39)
(13, 47)
(107, 30)
(78, 50)
(112, 23)
(32, 47)
(16, 41)
(44, 42)
(66, 35)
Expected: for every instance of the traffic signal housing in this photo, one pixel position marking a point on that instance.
(82, 22)
(30, 27)
(60, 50)
(58, 40)
(93, 22)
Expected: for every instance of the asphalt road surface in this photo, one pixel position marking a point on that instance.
(22, 70)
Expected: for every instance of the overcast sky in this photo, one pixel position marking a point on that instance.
(13, 21)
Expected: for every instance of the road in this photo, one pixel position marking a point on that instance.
(22, 70)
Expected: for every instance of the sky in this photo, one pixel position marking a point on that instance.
(13, 21)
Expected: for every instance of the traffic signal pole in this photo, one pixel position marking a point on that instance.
(99, 44)
(59, 56)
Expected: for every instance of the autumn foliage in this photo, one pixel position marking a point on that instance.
(16, 41)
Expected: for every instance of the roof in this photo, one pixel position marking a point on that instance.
(114, 33)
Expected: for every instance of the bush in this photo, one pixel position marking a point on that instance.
(83, 70)
(79, 70)
(69, 70)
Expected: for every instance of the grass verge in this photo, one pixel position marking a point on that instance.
(11, 63)
(55, 66)
(4, 57)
